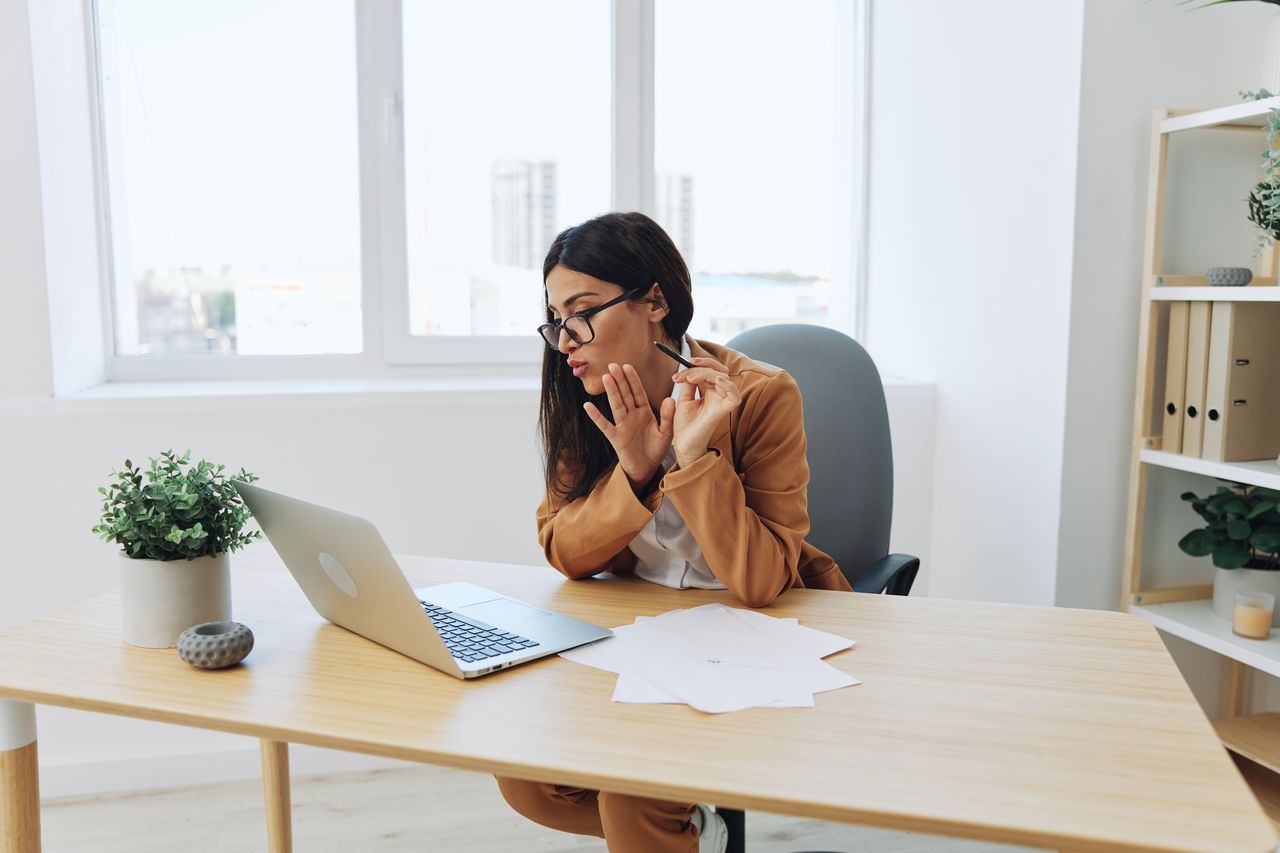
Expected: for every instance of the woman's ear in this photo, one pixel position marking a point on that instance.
(657, 303)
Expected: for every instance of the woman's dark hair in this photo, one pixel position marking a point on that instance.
(631, 251)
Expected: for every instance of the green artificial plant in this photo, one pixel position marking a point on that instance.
(178, 514)
(1264, 200)
(1243, 529)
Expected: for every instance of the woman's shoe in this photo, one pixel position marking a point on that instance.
(713, 835)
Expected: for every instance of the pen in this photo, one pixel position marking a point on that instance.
(669, 351)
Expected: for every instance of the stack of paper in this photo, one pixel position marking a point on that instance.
(717, 659)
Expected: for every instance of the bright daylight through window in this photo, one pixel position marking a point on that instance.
(234, 165)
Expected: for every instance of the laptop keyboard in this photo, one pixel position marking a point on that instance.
(472, 641)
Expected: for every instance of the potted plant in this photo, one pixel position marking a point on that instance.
(1264, 199)
(1243, 538)
(175, 532)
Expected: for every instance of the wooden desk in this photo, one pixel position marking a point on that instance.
(1031, 725)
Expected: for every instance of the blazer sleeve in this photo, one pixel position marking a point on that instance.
(592, 533)
(751, 524)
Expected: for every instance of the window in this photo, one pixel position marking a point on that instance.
(744, 151)
(375, 191)
(506, 144)
(233, 176)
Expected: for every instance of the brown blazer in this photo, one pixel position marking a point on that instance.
(745, 501)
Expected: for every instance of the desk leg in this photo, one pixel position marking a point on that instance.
(275, 783)
(19, 779)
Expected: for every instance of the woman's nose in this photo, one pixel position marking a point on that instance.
(566, 344)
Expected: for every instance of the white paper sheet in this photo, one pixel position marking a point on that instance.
(717, 659)
(635, 690)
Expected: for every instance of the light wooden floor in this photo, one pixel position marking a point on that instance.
(415, 809)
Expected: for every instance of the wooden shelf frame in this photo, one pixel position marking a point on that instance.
(1156, 289)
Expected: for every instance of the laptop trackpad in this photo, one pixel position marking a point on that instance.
(503, 611)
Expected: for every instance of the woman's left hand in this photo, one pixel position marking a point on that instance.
(697, 418)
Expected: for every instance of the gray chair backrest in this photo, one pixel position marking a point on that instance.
(847, 427)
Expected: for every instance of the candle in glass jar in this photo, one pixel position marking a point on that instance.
(1252, 615)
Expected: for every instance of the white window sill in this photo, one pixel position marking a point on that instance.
(258, 394)
(267, 393)
(297, 387)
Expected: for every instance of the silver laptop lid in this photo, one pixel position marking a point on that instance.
(348, 574)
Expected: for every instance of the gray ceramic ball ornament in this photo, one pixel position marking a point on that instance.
(1228, 276)
(215, 645)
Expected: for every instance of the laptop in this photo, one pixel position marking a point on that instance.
(351, 579)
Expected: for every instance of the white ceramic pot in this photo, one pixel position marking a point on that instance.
(1227, 582)
(159, 599)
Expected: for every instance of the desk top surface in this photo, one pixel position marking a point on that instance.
(1041, 726)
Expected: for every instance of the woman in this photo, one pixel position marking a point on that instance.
(685, 477)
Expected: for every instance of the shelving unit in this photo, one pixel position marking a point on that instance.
(1186, 611)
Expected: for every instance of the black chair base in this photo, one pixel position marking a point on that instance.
(736, 822)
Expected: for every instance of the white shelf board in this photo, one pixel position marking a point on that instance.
(1249, 293)
(1195, 622)
(1252, 113)
(1264, 472)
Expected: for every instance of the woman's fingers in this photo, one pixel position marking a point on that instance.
(667, 416)
(637, 387)
(707, 361)
(700, 376)
(624, 386)
(598, 418)
(726, 388)
(617, 402)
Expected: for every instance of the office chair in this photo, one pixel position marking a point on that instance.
(846, 426)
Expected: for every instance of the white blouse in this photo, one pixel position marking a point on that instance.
(666, 552)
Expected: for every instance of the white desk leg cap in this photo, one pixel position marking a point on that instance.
(17, 724)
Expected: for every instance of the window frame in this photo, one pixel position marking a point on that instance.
(389, 349)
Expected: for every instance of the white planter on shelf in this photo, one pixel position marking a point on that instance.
(1227, 582)
(159, 599)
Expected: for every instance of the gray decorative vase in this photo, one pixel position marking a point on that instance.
(215, 645)
(1228, 276)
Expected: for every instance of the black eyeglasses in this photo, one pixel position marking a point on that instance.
(579, 325)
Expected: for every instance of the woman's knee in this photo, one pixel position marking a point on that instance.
(623, 809)
(557, 806)
(525, 797)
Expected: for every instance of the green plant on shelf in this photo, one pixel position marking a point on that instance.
(1264, 200)
(1243, 529)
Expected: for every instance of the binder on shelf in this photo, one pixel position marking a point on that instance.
(1197, 365)
(1175, 376)
(1242, 389)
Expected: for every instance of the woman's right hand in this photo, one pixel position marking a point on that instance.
(640, 440)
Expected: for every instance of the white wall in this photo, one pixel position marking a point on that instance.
(972, 182)
(25, 361)
(442, 472)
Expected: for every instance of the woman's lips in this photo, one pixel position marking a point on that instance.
(579, 370)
